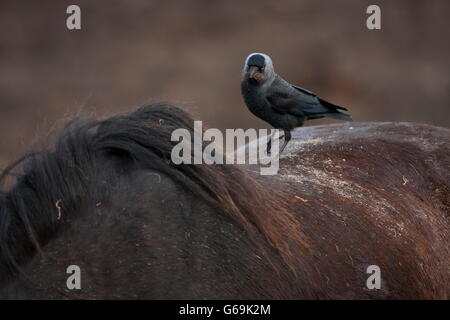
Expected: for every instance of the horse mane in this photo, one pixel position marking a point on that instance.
(64, 176)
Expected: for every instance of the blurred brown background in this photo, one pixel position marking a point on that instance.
(191, 53)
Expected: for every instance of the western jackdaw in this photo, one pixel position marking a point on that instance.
(281, 104)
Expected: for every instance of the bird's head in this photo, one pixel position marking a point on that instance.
(258, 68)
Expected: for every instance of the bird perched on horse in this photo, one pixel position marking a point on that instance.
(281, 104)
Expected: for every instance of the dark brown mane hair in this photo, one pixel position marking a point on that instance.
(64, 174)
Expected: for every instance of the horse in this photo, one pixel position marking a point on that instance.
(106, 197)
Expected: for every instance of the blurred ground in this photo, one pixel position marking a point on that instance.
(191, 53)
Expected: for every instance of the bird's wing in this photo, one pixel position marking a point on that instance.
(326, 103)
(304, 90)
(286, 98)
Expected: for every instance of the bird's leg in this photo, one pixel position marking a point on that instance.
(269, 144)
(269, 141)
(287, 137)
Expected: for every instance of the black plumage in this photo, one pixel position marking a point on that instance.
(284, 106)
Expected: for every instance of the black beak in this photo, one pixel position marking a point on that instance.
(252, 72)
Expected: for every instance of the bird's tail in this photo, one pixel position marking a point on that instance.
(339, 115)
(336, 112)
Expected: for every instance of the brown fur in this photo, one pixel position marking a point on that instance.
(346, 197)
(370, 194)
